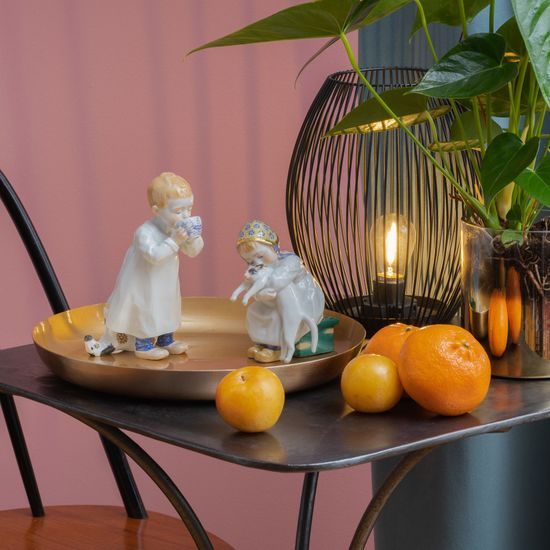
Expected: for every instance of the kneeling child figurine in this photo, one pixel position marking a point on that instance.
(288, 301)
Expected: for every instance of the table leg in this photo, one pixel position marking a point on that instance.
(124, 480)
(379, 500)
(307, 503)
(158, 475)
(21, 454)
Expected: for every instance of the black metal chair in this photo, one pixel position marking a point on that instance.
(80, 526)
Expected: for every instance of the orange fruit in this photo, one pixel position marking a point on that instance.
(370, 383)
(498, 323)
(513, 303)
(389, 340)
(250, 399)
(445, 369)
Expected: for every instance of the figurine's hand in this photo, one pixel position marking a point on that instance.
(265, 295)
(179, 235)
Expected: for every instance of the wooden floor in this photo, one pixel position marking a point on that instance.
(94, 528)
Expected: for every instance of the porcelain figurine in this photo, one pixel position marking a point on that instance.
(288, 302)
(144, 310)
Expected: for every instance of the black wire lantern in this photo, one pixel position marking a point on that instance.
(372, 219)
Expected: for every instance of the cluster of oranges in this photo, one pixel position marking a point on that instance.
(442, 367)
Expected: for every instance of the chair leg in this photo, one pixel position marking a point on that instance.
(21, 454)
(125, 480)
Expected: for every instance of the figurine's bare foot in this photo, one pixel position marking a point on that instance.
(266, 355)
(153, 354)
(176, 347)
(252, 351)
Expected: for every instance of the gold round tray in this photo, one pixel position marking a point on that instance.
(216, 331)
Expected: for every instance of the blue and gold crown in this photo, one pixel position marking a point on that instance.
(258, 231)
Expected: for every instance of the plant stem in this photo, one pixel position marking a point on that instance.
(540, 122)
(436, 141)
(512, 113)
(463, 18)
(489, 119)
(489, 98)
(477, 120)
(469, 199)
(454, 107)
(425, 28)
(475, 104)
(533, 96)
(523, 65)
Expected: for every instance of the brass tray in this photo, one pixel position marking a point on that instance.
(216, 331)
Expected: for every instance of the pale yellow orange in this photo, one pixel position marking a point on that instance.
(250, 399)
(370, 383)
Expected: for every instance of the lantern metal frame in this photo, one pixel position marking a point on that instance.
(338, 186)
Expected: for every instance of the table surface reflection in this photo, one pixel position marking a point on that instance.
(317, 430)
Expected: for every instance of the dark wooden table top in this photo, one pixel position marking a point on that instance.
(316, 431)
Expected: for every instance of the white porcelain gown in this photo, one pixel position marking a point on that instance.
(264, 317)
(146, 301)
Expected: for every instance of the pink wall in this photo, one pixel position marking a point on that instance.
(95, 100)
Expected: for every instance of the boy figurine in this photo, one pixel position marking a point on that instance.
(288, 301)
(144, 309)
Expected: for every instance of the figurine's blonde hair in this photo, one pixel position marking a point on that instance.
(247, 246)
(167, 186)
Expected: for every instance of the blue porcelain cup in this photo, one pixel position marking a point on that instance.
(193, 225)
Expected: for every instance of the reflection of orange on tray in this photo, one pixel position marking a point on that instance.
(215, 329)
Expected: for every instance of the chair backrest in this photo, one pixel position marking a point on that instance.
(34, 246)
(58, 302)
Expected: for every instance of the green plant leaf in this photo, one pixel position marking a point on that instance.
(533, 19)
(324, 47)
(537, 182)
(382, 9)
(470, 138)
(371, 117)
(512, 36)
(319, 19)
(506, 157)
(500, 100)
(455, 145)
(473, 67)
(438, 11)
(510, 236)
(514, 215)
(466, 121)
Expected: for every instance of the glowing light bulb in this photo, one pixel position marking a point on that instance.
(391, 249)
(393, 239)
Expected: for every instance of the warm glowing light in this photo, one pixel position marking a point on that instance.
(391, 248)
(393, 240)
